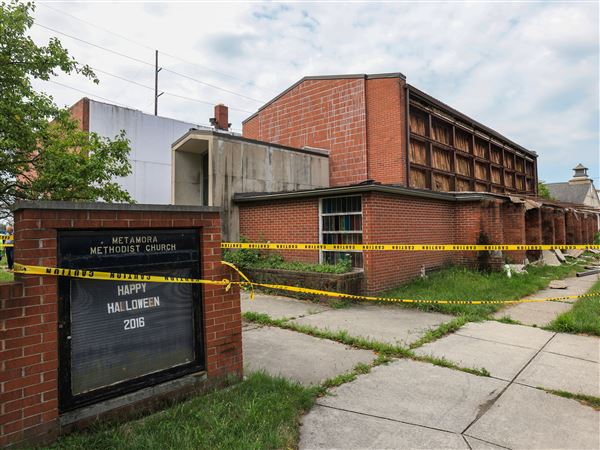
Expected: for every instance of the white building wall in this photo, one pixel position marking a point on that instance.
(150, 141)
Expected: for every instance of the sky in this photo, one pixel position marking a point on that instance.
(529, 70)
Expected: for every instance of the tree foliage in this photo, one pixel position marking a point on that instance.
(44, 154)
(543, 191)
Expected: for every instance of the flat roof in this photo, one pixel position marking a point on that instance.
(202, 133)
(102, 206)
(361, 188)
(453, 196)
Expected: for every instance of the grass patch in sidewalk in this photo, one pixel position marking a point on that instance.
(584, 317)
(384, 350)
(260, 412)
(457, 283)
(588, 400)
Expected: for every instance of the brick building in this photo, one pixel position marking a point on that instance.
(404, 168)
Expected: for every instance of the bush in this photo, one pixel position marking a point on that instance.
(255, 259)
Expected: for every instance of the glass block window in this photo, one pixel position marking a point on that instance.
(341, 223)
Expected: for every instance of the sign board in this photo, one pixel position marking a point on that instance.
(119, 336)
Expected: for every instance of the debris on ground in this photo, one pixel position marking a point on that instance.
(560, 255)
(574, 253)
(557, 284)
(550, 258)
(517, 268)
(588, 272)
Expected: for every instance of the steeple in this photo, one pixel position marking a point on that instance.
(580, 175)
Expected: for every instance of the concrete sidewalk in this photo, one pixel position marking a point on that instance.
(541, 314)
(411, 404)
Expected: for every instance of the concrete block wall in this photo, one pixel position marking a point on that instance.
(29, 312)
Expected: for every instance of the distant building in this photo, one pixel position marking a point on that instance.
(150, 141)
(578, 190)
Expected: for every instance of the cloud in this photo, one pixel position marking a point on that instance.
(528, 70)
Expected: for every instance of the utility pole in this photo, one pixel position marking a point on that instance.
(156, 94)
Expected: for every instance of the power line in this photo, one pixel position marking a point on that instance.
(171, 94)
(89, 93)
(147, 63)
(211, 85)
(102, 98)
(143, 45)
(94, 45)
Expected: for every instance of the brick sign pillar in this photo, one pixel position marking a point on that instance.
(29, 316)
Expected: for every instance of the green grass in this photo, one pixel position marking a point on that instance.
(385, 350)
(463, 284)
(4, 274)
(588, 400)
(260, 412)
(584, 317)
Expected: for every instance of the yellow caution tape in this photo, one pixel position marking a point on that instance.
(406, 247)
(112, 276)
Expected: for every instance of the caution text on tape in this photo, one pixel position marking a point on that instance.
(113, 276)
(406, 247)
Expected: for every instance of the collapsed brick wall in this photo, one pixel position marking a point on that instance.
(29, 313)
(328, 114)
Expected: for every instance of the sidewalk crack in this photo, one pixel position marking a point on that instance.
(485, 407)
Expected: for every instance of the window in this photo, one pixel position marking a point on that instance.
(341, 223)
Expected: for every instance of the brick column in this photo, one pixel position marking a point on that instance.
(560, 232)
(578, 228)
(533, 231)
(29, 410)
(571, 226)
(513, 230)
(548, 232)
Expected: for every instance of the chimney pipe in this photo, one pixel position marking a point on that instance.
(221, 119)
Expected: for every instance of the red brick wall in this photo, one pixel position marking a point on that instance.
(548, 226)
(560, 235)
(29, 308)
(533, 231)
(80, 112)
(391, 219)
(386, 130)
(513, 230)
(328, 114)
(283, 221)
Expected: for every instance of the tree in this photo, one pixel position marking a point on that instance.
(43, 152)
(543, 191)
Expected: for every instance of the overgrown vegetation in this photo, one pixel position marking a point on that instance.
(588, 400)
(260, 412)
(384, 349)
(257, 259)
(584, 317)
(463, 284)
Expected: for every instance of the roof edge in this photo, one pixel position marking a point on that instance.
(326, 77)
(193, 131)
